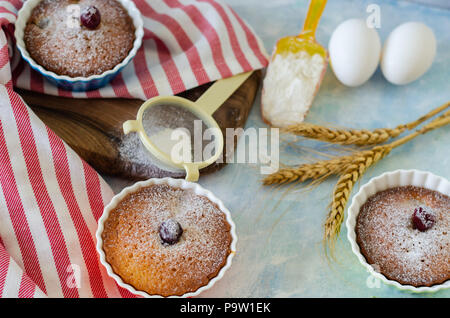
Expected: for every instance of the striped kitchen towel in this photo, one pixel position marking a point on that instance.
(50, 199)
(186, 43)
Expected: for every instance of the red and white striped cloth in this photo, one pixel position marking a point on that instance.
(50, 199)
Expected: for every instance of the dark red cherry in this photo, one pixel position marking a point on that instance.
(170, 232)
(90, 17)
(422, 220)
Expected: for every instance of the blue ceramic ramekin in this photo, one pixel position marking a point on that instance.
(77, 84)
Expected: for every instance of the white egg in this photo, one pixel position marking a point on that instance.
(354, 50)
(408, 53)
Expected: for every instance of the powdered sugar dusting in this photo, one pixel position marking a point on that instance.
(389, 241)
(134, 249)
(159, 122)
(91, 10)
(137, 159)
(56, 40)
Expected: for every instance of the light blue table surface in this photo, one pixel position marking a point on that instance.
(280, 252)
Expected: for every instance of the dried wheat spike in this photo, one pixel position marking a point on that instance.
(362, 161)
(361, 137)
(309, 171)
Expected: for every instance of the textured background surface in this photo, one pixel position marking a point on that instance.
(280, 231)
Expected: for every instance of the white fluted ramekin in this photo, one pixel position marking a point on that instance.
(176, 183)
(78, 84)
(386, 181)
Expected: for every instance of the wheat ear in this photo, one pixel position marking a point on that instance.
(357, 137)
(341, 194)
(313, 171)
(324, 168)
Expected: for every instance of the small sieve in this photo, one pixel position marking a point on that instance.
(169, 128)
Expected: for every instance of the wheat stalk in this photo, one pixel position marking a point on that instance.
(344, 136)
(344, 186)
(313, 171)
(357, 137)
(362, 161)
(324, 168)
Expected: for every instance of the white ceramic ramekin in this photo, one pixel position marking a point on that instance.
(177, 183)
(77, 83)
(385, 181)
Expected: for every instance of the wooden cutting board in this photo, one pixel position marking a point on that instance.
(93, 128)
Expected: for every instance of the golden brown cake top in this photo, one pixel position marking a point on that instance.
(66, 47)
(134, 248)
(392, 243)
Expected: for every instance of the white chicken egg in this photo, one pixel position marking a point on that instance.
(354, 50)
(408, 53)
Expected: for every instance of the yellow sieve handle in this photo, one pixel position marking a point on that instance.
(192, 173)
(219, 92)
(315, 10)
(132, 126)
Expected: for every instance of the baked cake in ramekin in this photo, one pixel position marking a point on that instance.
(405, 231)
(78, 44)
(166, 237)
(399, 227)
(71, 48)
